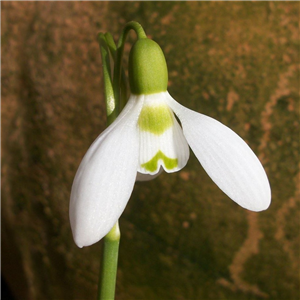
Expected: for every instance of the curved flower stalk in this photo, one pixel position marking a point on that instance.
(146, 139)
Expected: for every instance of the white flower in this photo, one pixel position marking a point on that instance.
(146, 139)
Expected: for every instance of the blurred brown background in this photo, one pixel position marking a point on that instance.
(182, 238)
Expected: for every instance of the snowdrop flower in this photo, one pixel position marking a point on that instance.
(145, 139)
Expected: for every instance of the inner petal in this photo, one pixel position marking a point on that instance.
(162, 143)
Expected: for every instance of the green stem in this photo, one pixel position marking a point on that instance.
(109, 264)
(107, 283)
(111, 110)
(123, 84)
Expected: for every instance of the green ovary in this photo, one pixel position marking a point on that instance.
(151, 165)
(155, 119)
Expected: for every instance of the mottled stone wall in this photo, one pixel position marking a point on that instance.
(182, 238)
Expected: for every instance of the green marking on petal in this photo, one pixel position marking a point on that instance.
(151, 165)
(155, 119)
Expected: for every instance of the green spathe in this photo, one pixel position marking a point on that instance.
(151, 165)
(148, 73)
(155, 119)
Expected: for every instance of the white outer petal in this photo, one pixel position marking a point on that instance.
(226, 158)
(105, 178)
